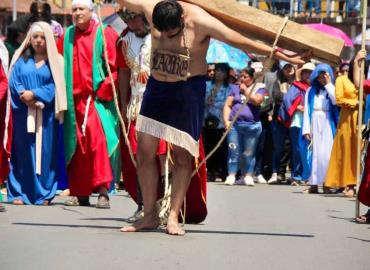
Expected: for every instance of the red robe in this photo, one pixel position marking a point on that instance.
(90, 166)
(4, 150)
(196, 197)
(364, 191)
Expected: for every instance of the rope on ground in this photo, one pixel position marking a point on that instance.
(115, 96)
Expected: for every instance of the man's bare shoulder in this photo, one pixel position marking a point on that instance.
(196, 15)
(193, 10)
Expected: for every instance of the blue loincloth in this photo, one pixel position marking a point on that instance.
(173, 111)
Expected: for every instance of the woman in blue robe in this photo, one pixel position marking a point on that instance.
(34, 156)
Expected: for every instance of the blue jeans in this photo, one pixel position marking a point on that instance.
(242, 143)
(279, 135)
(297, 165)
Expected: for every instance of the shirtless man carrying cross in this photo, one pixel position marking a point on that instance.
(173, 103)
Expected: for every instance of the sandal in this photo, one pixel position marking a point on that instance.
(64, 193)
(294, 183)
(77, 201)
(311, 190)
(18, 202)
(103, 202)
(363, 219)
(349, 192)
(45, 203)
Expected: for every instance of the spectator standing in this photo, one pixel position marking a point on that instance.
(217, 91)
(91, 125)
(38, 98)
(244, 135)
(319, 124)
(342, 167)
(280, 81)
(291, 114)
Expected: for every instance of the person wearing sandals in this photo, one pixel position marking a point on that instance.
(342, 166)
(291, 114)
(319, 125)
(38, 101)
(244, 135)
(91, 126)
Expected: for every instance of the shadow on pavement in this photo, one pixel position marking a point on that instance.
(110, 219)
(359, 239)
(348, 219)
(67, 225)
(159, 230)
(249, 233)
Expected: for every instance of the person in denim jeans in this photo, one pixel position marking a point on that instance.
(244, 135)
(279, 85)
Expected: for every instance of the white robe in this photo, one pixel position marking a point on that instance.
(321, 133)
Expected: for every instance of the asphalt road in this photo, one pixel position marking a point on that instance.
(261, 227)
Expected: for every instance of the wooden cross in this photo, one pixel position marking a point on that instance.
(262, 26)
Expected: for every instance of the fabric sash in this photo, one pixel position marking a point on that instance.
(106, 110)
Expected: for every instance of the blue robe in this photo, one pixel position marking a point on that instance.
(23, 182)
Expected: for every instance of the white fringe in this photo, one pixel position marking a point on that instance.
(168, 133)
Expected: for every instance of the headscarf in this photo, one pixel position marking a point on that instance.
(87, 3)
(315, 89)
(56, 65)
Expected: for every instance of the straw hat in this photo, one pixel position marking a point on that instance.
(307, 66)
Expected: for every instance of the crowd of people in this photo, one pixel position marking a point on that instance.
(59, 121)
(309, 113)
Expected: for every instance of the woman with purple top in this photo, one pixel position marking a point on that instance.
(244, 135)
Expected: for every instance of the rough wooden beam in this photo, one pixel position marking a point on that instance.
(263, 26)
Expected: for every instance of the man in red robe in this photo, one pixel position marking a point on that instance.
(91, 124)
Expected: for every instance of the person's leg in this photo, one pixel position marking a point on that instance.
(233, 156)
(251, 135)
(278, 137)
(181, 177)
(260, 151)
(296, 170)
(148, 178)
(219, 155)
(285, 160)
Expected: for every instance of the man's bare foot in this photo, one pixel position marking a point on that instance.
(146, 223)
(65, 192)
(173, 227)
(18, 202)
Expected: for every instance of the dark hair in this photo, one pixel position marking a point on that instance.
(351, 67)
(167, 15)
(41, 12)
(226, 68)
(250, 71)
(342, 65)
(27, 53)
